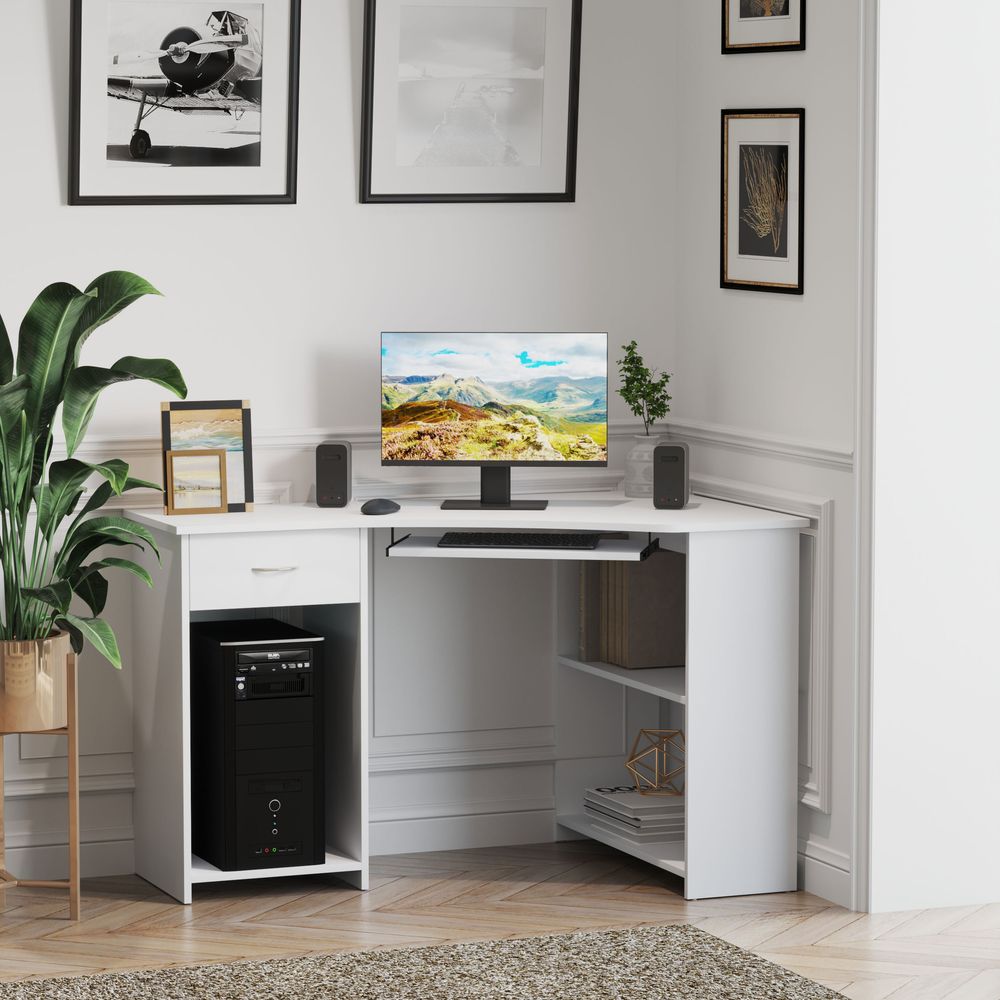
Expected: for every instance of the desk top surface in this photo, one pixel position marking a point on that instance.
(580, 512)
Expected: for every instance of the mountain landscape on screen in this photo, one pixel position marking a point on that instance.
(464, 416)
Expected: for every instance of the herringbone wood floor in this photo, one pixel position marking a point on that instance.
(500, 892)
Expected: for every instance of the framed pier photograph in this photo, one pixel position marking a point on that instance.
(470, 102)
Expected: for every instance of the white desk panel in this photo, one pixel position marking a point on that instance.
(580, 512)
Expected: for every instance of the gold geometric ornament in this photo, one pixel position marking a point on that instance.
(657, 761)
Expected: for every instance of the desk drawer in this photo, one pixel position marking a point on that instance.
(275, 569)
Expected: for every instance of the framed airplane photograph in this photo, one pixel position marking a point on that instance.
(763, 26)
(763, 200)
(171, 103)
(470, 100)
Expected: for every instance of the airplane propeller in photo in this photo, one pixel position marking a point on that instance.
(218, 72)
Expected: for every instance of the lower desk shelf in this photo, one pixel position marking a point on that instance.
(202, 871)
(669, 856)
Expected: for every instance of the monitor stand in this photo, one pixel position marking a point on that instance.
(494, 493)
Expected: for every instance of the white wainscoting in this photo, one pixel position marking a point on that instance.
(486, 775)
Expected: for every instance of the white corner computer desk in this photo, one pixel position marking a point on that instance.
(737, 693)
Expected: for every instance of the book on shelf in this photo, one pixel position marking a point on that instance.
(634, 804)
(627, 822)
(633, 615)
(637, 836)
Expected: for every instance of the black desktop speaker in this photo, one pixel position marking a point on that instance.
(670, 476)
(333, 474)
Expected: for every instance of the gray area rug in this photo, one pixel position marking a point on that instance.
(648, 963)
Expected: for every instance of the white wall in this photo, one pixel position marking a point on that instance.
(765, 382)
(283, 306)
(936, 585)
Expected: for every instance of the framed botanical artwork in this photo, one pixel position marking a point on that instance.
(220, 425)
(763, 199)
(470, 100)
(196, 482)
(763, 26)
(171, 103)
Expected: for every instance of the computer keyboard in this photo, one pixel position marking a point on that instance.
(518, 540)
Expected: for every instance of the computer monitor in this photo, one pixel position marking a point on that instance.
(495, 400)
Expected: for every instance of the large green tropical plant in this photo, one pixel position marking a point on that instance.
(46, 560)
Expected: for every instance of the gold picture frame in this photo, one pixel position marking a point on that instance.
(762, 216)
(763, 26)
(191, 476)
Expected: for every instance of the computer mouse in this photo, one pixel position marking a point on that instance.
(379, 506)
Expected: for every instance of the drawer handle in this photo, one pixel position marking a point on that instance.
(273, 569)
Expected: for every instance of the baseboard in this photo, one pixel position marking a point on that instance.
(51, 861)
(825, 881)
(454, 833)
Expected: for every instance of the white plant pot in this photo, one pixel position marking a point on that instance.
(639, 466)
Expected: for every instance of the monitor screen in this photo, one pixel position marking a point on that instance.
(495, 398)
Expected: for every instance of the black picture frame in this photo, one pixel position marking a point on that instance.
(367, 197)
(288, 197)
(730, 49)
(168, 445)
(725, 280)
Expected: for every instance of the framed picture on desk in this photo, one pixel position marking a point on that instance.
(222, 425)
(196, 482)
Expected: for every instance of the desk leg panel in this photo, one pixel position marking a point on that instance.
(742, 712)
(161, 721)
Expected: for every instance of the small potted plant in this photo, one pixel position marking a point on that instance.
(645, 391)
(51, 544)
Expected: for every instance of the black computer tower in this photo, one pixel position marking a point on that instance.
(257, 755)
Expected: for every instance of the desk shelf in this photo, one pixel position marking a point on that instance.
(663, 682)
(203, 871)
(669, 855)
(333, 606)
(608, 550)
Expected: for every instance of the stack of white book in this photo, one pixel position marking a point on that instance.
(642, 819)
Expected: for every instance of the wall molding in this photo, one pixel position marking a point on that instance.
(816, 851)
(759, 443)
(823, 880)
(864, 482)
(416, 760)
(90, 784)
(825, 872)
(455, 751)
(492, 829)
(366, 437)
(446, 810)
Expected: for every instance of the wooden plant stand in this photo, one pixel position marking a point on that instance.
(71, 732)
